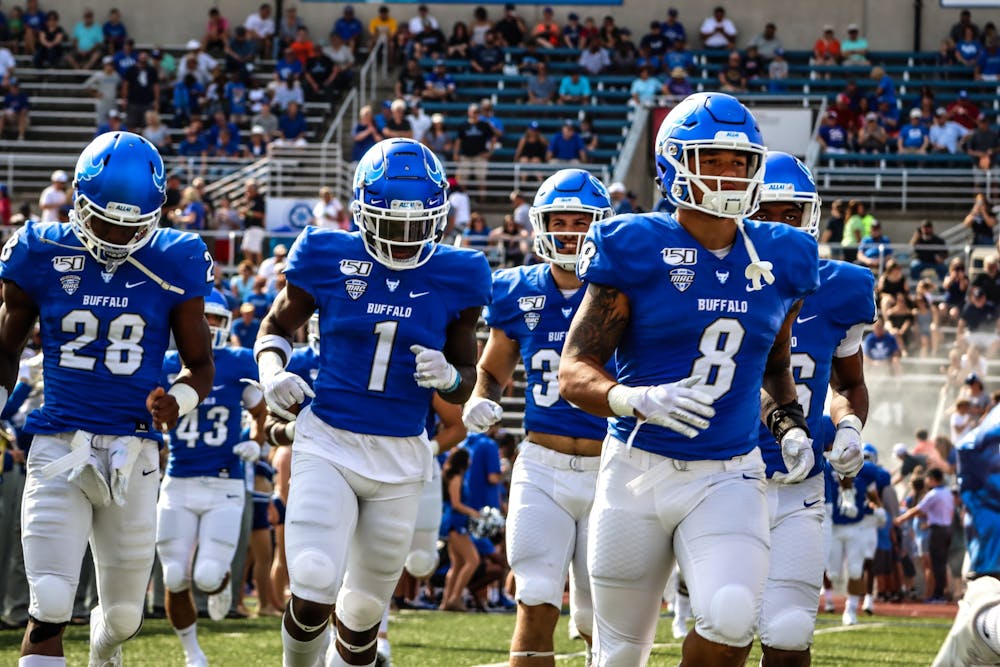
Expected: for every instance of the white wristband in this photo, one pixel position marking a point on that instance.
(850, 421)
(269, 364)
(273, 343)
(4, 396)
(186, 397)
(618, 400)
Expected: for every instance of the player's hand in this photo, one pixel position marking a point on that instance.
(163, 408)
(846, 456)
(283, 392)
(847, 502)
(480, 414)
(433, 370)
(248, 451)
(797, 453)
(676, 406)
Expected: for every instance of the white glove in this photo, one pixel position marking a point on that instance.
(480, 414)
(434, 371)
(847, 502)
(676, 406)
(248, 451)
(282, 391)
(797, 453)
(846, 456)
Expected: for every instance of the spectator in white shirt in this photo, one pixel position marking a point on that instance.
(54, 197)
(328, 212)
(595, 58)
(6, 64)
(946, 135)
(268, 266)
(718, 32)
(938, 508)
(261, 28)
(417, 22)
(420, 122)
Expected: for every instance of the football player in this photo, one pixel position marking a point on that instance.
(700, 327)
(974, 638)
(398, 314)
(555, 473)
(857, 513)
(201, 498)
(109, 290)
(826, 351)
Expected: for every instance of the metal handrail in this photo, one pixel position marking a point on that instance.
(348, 108)
(366, 81)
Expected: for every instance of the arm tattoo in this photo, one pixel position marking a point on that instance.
(599, 324)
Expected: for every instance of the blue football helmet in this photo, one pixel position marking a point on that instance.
(709, 121)
(870, 453)
(400, 202)
(216, 304)
(119, 182)
(788, 179)
(312, 331)
(567, 190)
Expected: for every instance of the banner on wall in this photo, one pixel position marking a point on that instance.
(288, 214)
(963, 4)
(488, 2)
(784, 129)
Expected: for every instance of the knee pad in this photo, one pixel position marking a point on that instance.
(855, 568)
(312, 570)
(789, 630)
(53, 599)
(732, 615)
(175, 577)
(358, 611)
(122, 621)
(208, 574)
(421, 563)
(583, 617)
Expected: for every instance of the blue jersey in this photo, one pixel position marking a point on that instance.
(870, 476)
(845, 298)
(484, 460)
(103, 334)
(692, 313)
(529, 308)
(369, 316)
(979, 484)
(202, 443)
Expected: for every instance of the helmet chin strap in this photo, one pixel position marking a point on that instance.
(759, 271)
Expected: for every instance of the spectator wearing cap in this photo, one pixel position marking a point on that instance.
(594, 60)
(881, 349)
(572, 32)
(511, 28)
(113, 123)
(908, 462)
(655, 41)
(619, 198)
(767, 42)
(103, 86)
(88, 42)
(257, 145)
(673, 29)
(54, 197)
(349, 28)
(678, 85)
(964, 111)
(574, 88)
(645, 87)
(488, 58)
(988, 62)
(384, 26)
(874, 248)
(973, 390)
(567, 145)
(439, 85)
(717, 31)
(872, 138)
(945, 134)
(826, 50)
(114, 32)
(914, 139)
(279, 255)
(437, 138)
(541, 87)
(977, 320)
(422, 18)
(288, 66)
(366, 134)
(929, 252)
(260, 26)
(328, 213)
(855, 48)
(472, 149)
(412, 81)
(547, 31)
(981, 144)
(832, 137)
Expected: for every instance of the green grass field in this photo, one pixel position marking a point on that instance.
(432, 639)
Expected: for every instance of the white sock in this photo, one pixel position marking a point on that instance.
(988, 627)
(868, 600)
(383, 647)
(828, 594)
(852, 602)
(189, 639)
(301, 654)
(383, 627)
(100, 648)
(42, 661)
(682, 606)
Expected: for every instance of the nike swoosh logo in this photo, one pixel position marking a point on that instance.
(806, 503)
(146, 473)
(746, 476)
(218, 387)
(129, 285)
(231, 496)
(803, 320)
(414, 295)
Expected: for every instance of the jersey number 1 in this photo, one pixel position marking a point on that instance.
(386, 332)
